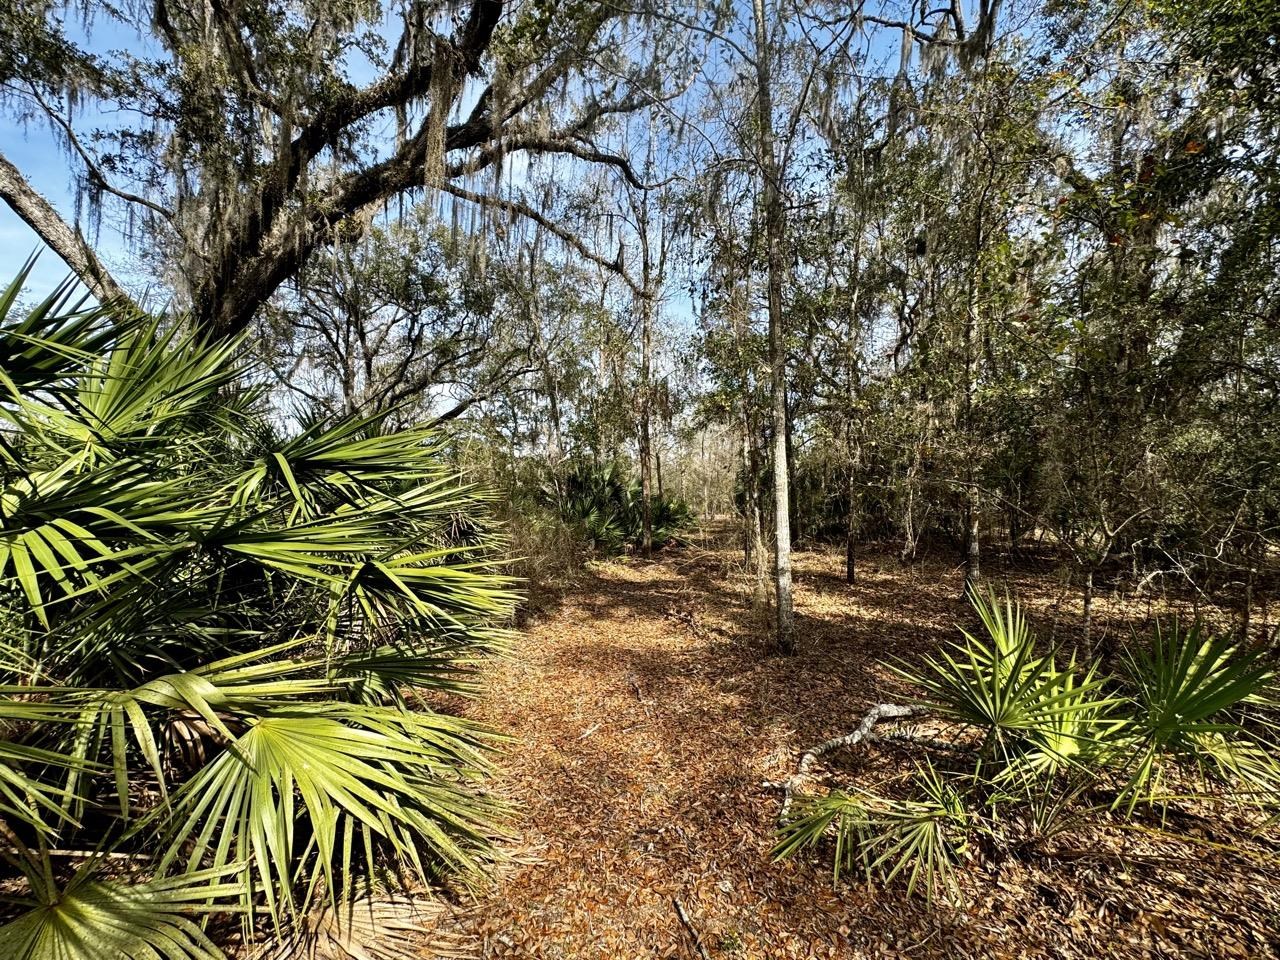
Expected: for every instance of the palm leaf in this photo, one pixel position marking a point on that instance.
(95, 919)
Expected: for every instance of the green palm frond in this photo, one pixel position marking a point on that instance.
(333, 782)
(66, 533)
(53, 338)
(1019, 700)
(221, 643)
(344, 461)
(155, 374)
(607, 508)
(916, 839)
(28, 799)
(1189, 690)
(89, 917)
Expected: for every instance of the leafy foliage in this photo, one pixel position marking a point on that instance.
(222, 643)
(1036, 740)
(1190, 693)
(608, 510)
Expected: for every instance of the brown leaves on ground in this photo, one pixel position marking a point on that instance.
(649, 712)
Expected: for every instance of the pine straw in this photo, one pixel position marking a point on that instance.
(649, 711)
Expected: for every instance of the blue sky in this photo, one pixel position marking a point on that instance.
(33, 150)
(48, 171)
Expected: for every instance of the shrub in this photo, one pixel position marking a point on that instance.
(607, 509)
(220, 644)
(1035, 737)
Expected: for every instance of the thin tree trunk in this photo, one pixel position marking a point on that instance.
(1246, 615)
(646, 445)
(909, 535)
(973, 545)
(1088, 613)
(747, 540)
(775, 238)
(793, 517)
(851, 509)
(555, 435)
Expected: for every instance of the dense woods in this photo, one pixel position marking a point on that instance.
(387, 325)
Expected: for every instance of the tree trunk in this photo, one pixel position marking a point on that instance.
(775, 238)
(1246, 615)
(910, 537)
(1087, 625)
(37, 213)
(646, 445)
(851, 509)
(973, 545)
(793, 518)
(748, 540)
(753, 526)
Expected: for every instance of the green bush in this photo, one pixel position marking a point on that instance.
(607, 509)
(220, 645)
(1035, 736)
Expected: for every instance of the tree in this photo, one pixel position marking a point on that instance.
(775, 240)
(245, 144)
(408, 321)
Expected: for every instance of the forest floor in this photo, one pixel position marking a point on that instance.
(649, 714)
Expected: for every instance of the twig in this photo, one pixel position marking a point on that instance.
(865, 731)
(635, 685)
(693, 932)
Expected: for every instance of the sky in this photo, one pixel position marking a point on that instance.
(32, 148)
(47, 170)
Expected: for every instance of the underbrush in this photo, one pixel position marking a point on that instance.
(224, 650)
(605, 508)
(1033, 743)
(547, 554)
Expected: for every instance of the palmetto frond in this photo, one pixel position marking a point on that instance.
(917, 839)
(1049, 736)
(224, 642)
(1189, 691)
(1018, 699)
(47, 342)
(89, 917)
(333, 781)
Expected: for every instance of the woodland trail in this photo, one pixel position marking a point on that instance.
(648, 712)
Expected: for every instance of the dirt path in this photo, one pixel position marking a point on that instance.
(648, 711)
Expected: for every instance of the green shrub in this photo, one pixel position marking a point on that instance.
(607, 509)
(1034, 738)
(219, 644)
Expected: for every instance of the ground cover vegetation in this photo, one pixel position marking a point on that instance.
(221, 646)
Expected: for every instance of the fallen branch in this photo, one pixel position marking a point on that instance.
(693, 931)
(864, 732)
(928, 743)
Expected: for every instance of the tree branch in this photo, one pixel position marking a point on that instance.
(864, 732)
(96, 175)
(529, 213)
(37, 213)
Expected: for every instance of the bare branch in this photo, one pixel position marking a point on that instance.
(524, 210)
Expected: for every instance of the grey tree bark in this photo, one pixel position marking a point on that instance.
(775, 238)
